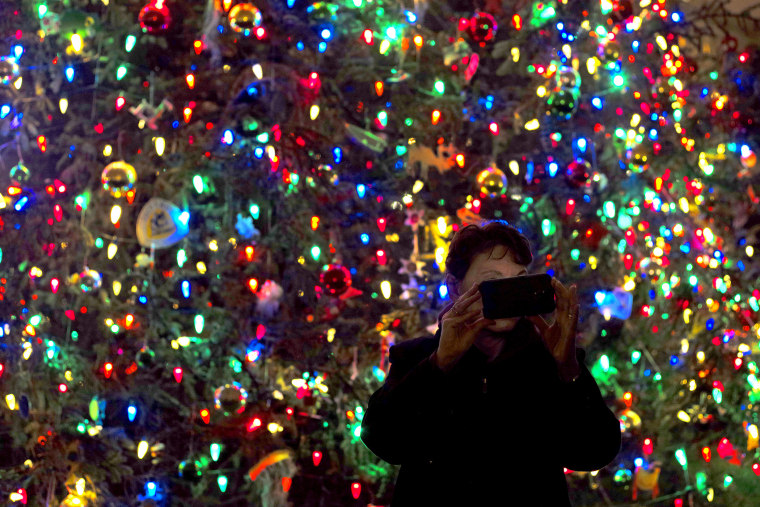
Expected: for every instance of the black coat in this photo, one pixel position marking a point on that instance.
(498, 433)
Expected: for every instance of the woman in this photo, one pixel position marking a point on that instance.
(490, 412)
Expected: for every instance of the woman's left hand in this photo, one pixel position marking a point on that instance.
(559, 337)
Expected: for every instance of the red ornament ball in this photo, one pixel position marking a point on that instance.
(578, 172)
(335, 279)
(155, 17)
(482, 27)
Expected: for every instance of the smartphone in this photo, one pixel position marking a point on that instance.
(517, 296)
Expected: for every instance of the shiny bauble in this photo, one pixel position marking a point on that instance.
(192, 468)
(492, 181)
(244, 17)
(322, 12)
(609, 52)
(145, 358)
(578, 172)
(9, 70)
(230, 398)
(90, 280)
(482, 27)
(118, 178)
(562, 104)
(622, 10)
(630, 421)
(20, 173)
(155, 18)
(639, 157)
(567, 78)
(50, 23)
(335, 279)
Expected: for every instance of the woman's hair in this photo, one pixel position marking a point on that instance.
(472, 240)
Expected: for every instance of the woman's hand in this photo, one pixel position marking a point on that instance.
(459, 327)
(560, 336)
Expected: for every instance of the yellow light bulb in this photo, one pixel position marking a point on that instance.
(116, 287)
(80, 487)
(10, 400)
(385, 288)
(314, 112)
(160, 146)
(112, 248)
(63, 104)
(142, 449)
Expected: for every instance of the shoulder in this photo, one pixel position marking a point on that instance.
(415, 349)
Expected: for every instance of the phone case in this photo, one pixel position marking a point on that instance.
(517, 296)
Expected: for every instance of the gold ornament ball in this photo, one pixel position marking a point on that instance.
(244, 18)
(118, 178)
(492, 182)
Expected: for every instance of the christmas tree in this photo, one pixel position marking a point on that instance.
(216, 219)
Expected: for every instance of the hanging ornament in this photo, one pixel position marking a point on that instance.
(192, 468)
(244, 17)
(150, 114)
(155, 17)
(161, 224)
(9, 70)
(50, 23)
(646, 479)
(118, 178)
(230, 398)
(578, 172)
(88, 280)
(609, 52)
(77, 22)
(567, 78)
(639, 157)
(335, 279)
(269, 296)
(492, 181)
(19, 173)
(365, 138)
(616, 303)
(482, 27)
(145, 357)
(622, 10)
(322, 13)
(562, 104)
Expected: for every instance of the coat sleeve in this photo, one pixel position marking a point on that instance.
(590, 439)
(405, 418)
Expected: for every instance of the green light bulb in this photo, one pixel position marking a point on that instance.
(222, 482)
(199, 322)
(315, 252)
(439, 86)
(121, 72)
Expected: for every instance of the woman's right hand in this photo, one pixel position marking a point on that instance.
(459, 327)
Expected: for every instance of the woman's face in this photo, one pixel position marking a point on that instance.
(492, 265)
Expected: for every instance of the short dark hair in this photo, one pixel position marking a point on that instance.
(474, 239)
